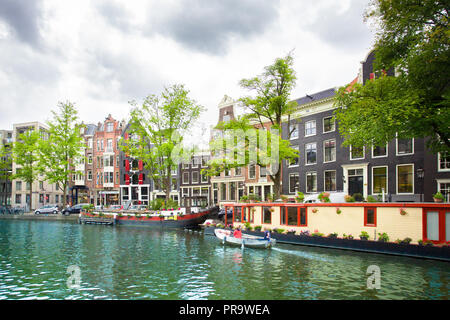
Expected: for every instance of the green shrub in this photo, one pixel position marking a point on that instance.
(244, 198)
(300, 197)
(258, 228)
(254, 197)
(333, 235)
(278, 230)
(324, 197)
(364, 235)
(371, 199)
(317, 234)
(439, 196)
(358, 197)
(383, 237)
(349, 198)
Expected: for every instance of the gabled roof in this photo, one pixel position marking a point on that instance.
(316, 96)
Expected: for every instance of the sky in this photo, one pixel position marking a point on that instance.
(102, 54)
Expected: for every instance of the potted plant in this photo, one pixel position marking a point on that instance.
(324, 197)
(358, 197)
(304, 233)
(315, 210)
(272, 209)
(347, 236)
(349, 198)
(291, 231)
(258, 228)
(333, 235)
(317, 234)
(284, 198)
(300, 197)
(244, 199)
(403, 211)
(383, 237)
(338, 211)
(364, 235)
(270, 197)
(371, 199)
(438, 197)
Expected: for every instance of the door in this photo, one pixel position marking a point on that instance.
(355, 181)
(436, 225)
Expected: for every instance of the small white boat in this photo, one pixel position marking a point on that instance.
(246, 241)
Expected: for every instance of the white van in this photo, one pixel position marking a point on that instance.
(335, 197)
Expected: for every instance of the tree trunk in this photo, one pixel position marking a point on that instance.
(64, 196)
(168, 187)
(277, 183)
(31, 196)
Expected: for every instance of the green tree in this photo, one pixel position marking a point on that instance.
(63, 147)
(25, 154)
(266, 110)
(413, 38)
(156, 131)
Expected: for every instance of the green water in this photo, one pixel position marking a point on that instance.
(138, 263)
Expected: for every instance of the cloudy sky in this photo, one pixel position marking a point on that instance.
(102, 54)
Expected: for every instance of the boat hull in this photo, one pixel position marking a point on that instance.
(245, 241)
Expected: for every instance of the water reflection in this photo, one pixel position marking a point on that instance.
(139, 263)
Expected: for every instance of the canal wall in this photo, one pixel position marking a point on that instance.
(40, 217)
(441, 253)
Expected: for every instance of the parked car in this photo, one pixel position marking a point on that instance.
(50, 208)
(74, 209)
(335, 197)
(221, 214)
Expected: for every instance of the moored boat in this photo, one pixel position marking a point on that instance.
(246, 241)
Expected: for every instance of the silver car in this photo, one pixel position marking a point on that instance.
(50, 208)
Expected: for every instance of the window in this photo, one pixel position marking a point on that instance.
(204, 178)
(311, 153)
(303, 218)
(89, 158)
(232, 194)
(444, 188)
(227, 172)
(292, 216)
(238, 171)
(267, 215)
(109, 127)
(405, 178)
(18, 198)
(330, 180)
(223, 191)
(237, 214)
(370, 217)
(311, 182)
(252, 171)
(18, 185)
(379, 180)
(89, 143)
(41, 198)
(293, 162)
(204, 162)
(328, 124)
(405, 146)
(262, 172)
(379, 152)
(109, 144)
(293, 182)
(293, 130)
(195, 177)
(41, 185)
(329, 150)
(185, 177)
(310, 128)
(89, 177)
(356, 153)
(443, 161)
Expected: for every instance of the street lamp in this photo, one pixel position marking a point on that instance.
(420, 175)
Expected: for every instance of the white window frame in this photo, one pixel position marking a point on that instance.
(289, 181)
(413, 177)
(188, 174)
(251, 171)
(323, 125)
(387, 152)
(363, 157)
(306, 182)
(298, 159)
(323, 146)
(439, 181)
(306, 154)
(315, 126)
(237, 175)
(387, 179)
(439, 164)
(324, 182)
(193, 174)
(290, 128)
(89, 174)
(403, 154)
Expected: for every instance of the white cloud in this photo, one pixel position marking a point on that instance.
(101, 55)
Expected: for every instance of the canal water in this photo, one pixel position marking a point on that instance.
(139, 263)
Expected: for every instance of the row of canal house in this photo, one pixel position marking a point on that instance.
(402, 171)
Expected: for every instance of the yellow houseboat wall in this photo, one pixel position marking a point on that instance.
(396, 220)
